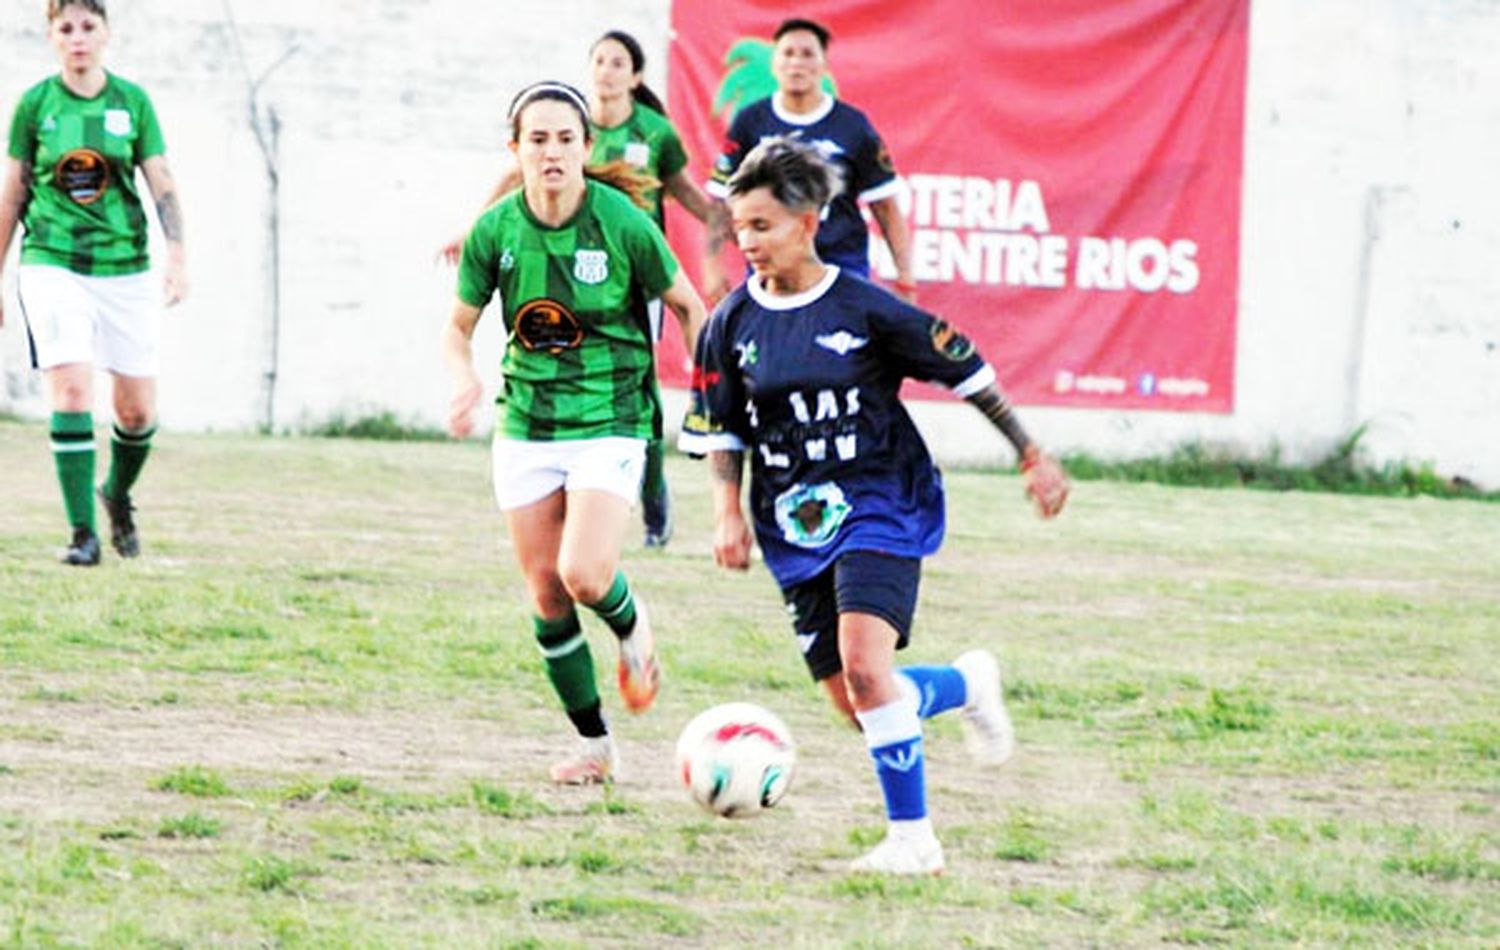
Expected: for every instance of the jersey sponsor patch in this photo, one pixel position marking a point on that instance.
(117, 122)
(546, 325)
(949, 342)
(590, 267)
(810, 515)
(83, 175)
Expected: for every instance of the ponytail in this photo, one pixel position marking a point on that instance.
(624, 177)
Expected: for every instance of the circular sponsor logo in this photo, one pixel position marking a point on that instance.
(545, 324)
(83, 175)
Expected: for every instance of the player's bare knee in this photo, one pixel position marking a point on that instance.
(865, 683)
(133, 418)
(586, 582)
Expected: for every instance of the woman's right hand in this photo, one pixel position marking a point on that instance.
(732, 541)
(461, 407)
(452, 251)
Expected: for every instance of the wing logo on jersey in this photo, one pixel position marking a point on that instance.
(83, 175)
(810, 515)
(590, 267)
(949, 342)
(843, 342)
(547, 325)
(117, 122)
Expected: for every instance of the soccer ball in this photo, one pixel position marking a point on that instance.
(736, 759)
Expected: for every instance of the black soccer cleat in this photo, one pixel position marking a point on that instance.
(122, 532)
(84, 551)
(657, 514)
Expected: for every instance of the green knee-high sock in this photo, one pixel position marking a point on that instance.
(73, 451)
(617, 608)
(128, 451)
(570, 667)
(654, 484)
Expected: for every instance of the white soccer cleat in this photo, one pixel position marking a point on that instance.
(595, 762)
(988, 733)
(901, 856)
(639, 673)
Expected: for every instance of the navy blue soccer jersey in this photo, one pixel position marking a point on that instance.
(809, 387)
(846, 138)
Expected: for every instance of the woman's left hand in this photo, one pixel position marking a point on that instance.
(1046, 482)
(175, 282)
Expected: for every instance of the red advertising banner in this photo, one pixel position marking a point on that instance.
(1072, 173)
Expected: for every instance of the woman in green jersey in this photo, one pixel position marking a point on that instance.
(76, 141)
(630, 125)
(574, 262)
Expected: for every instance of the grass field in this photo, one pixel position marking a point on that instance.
(312, 715)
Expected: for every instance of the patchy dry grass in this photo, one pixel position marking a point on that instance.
(311, 715)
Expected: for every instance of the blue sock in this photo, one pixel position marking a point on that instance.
(894, 734)
(937, 688)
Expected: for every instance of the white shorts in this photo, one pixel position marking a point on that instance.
(111, 322)
(527, 472)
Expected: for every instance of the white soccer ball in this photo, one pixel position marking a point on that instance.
(736, 759)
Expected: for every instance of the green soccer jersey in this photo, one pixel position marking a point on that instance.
(645, 141)
(578, 361)
(84, 212)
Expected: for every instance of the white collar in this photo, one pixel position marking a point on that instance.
(771, 301)
(796, 118)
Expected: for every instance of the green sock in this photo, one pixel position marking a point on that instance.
(654, 484)
(570, 666)
(617, 608)
(128, 451)
(73, 451)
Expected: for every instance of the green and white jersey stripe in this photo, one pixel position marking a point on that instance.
(84, 212)
(578, 360)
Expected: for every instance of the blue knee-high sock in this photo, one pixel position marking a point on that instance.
(894, 734)
(935, 689)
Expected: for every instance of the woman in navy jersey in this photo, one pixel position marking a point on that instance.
(801, 369)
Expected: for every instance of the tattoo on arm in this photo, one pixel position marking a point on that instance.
(726, 465)
(993, 404)
(170, 214)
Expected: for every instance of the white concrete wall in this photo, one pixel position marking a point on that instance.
(1369, 292)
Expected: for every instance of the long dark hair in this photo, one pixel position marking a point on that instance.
(617, 174)
(641, 93)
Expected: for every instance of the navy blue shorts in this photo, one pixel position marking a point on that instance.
(863, 582)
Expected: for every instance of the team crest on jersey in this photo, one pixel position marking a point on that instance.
(810, 515)
(590, 267)
(83, 175)
(843, 342)
(117, 121)
(507, 261)
(748, 353)
(49, 124)
(546, 325)
(949, 342)
(637, 154)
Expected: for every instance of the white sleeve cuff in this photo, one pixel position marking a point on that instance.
(882, 191)
(693, 443)
(980, 379)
